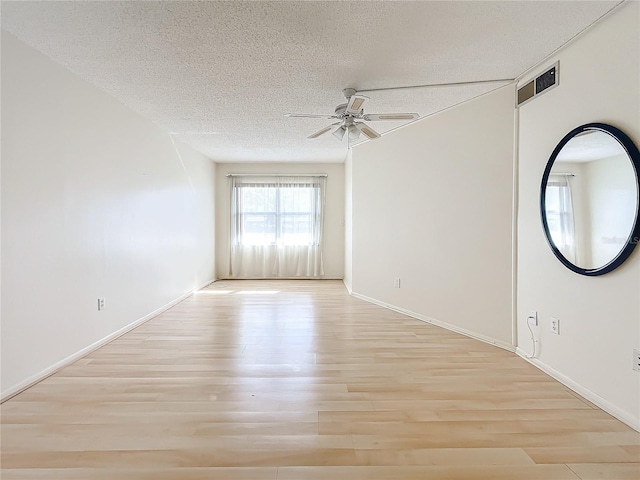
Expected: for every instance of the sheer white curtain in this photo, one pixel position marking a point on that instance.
(560, 217)
(277, 226)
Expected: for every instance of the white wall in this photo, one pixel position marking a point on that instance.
(348, 221)
(433, 205)
(333, 251)
(96, 202)
(612, 203)
(599, 316)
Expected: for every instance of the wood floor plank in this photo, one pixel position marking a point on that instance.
(445, 456)
(520, 472)
(186, 473)
(606, 471)
(580, 454)
(284, 380)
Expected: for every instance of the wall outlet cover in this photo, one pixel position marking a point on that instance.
(636, 360)
(555, 326)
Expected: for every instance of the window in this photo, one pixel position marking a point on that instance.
(276, 226)
(280, 214)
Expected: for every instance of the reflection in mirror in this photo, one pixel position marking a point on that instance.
(590, 201)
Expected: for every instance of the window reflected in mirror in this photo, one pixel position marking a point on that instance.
(560, 214)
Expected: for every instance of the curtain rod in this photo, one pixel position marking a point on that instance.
(276, 175)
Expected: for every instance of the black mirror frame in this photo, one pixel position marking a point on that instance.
(634, 238)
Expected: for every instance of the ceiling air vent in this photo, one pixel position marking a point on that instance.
(526, 93)
(539, 85)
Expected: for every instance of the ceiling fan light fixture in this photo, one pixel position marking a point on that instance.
(354, 132)
(339, 132)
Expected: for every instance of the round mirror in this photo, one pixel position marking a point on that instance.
(589, 199)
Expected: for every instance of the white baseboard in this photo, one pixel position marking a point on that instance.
(347, 287)
(280, 278)
(624, 417)
(47, 372)
(438, 323)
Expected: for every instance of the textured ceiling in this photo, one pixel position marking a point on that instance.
(220, 75)
(595, 145)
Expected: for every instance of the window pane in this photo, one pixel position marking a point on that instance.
(296, 229)
(296, 206)
(552, 199)
(552, 206)
(258, 215)
(258, 229)
(259, 199)
(296, 199)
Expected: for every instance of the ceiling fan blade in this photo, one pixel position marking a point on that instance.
(355, 104)
(308, 115)
(390, 116)
(324, 130)
(368, 132)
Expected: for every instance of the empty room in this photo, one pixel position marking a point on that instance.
(286, 240)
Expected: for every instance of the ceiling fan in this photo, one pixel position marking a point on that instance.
(350, 116)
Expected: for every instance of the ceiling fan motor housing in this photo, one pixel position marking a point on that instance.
(348, 92)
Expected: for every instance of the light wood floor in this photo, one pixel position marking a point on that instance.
(292, 380)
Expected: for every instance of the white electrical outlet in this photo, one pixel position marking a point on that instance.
(396, 282)
(636, 360)
(532, 319)
(101, 304)
(555, 326)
